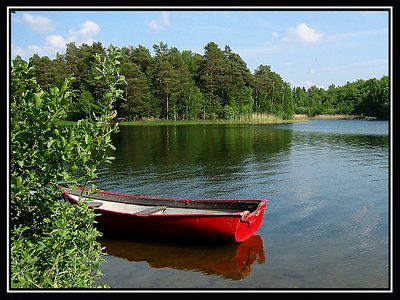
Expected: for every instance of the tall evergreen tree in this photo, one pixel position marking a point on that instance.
(138, 98)
(213, 69)
(165, 78)
(263, 89)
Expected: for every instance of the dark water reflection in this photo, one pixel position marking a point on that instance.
(231, 261)
(215, 149)
(327, 221)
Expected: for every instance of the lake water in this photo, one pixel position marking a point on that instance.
(327, 224)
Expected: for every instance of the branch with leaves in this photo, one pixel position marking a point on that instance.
(54, 244)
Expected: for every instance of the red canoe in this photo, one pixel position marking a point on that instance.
(230, 220)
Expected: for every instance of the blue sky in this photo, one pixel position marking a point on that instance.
(306, 48)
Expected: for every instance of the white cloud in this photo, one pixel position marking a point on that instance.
(160, 24)
(305, 34)
(89, 28)
(88, 41)
(38, 23)
(302, 33)
(56, 42)
(85, 34)
(52, 45)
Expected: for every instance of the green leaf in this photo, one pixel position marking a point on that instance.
(18, 181)
(38, 101)
(64, 86)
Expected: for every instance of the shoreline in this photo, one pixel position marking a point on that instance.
(254, 120)
(246, 121)
(335, 117)
(208, 122)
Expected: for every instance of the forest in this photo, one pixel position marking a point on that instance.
(182, 85)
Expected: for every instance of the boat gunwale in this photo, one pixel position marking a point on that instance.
(258, 205)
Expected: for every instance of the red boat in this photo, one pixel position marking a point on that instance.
(226, 220)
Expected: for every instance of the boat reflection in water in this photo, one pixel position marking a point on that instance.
(232, 261)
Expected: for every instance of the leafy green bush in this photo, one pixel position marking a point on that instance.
(54, 244)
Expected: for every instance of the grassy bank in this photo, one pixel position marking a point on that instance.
(244, 120)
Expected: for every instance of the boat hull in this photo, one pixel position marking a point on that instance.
(235, 226)
(190, 227)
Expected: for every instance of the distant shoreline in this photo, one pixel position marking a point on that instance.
(255, 119)
(333, 117)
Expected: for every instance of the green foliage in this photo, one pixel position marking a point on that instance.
(54, 244)
(48, 73)
(288, 106)
(85, 105)
(65, 254)
(300, 100)
(363, 97)
(182, 85)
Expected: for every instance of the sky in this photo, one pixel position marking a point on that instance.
(305, 47)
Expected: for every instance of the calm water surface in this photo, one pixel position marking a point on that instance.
(327, 220)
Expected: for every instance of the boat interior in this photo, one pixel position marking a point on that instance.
(147, 205)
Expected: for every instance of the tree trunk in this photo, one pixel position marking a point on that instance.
(167, 108)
